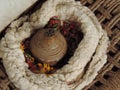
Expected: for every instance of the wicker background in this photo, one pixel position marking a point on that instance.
(108, 13)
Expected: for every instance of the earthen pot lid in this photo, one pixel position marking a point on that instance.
(48, 48)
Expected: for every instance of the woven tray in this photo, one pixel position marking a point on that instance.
(108, 14)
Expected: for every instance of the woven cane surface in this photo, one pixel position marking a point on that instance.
(108, 14)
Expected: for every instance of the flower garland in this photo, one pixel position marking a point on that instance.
(72, 35)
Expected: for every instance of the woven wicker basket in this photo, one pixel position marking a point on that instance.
(108, 14)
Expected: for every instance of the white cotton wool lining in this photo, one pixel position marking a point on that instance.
(92, 48)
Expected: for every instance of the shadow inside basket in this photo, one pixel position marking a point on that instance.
(72, 35)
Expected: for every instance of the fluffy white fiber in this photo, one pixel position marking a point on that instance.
(92, 49)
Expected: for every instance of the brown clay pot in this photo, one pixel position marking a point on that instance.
(49, 49)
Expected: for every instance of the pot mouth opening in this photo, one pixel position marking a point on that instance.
(72, 35)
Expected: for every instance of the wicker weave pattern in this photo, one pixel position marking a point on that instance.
(108, 13)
